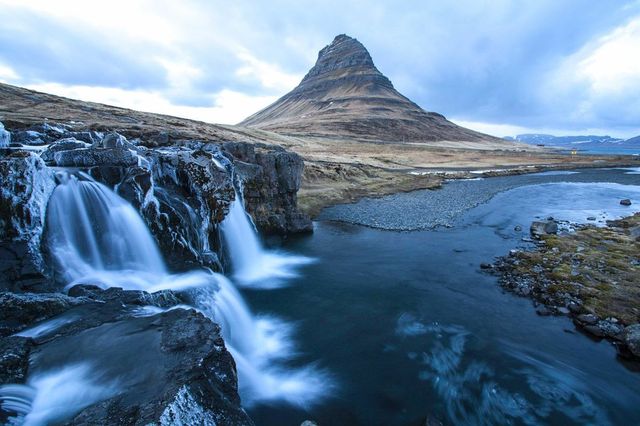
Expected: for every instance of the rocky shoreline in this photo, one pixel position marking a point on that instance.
(590, 275)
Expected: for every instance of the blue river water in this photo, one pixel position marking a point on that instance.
(408, 327)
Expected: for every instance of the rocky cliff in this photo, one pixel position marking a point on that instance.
(344, 95)
(183, 191)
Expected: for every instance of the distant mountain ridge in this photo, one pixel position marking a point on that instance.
(345, 96)
(577, 142)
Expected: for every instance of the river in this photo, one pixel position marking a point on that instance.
(407, 326)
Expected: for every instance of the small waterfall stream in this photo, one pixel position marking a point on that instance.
(252, 265)
(96, 237)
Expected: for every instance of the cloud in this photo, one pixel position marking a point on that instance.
(529, 64)
(228, 106)
(600, 83)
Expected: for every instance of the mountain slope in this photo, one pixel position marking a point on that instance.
(344, 95)
(633, 141)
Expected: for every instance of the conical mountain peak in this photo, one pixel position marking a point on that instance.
(345, 96)
(344, 53)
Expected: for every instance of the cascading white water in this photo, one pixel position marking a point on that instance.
(253, 266)
(94, 234)
(96, 237)
(51, 397)
(257, 345)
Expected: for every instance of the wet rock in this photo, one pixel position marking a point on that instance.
(517, 228)
(486, 266)
(540, 228)
(161, 299)
(18, 310)
(625, 202)
(563, 311)
(197, 383)
(188, 376)
(631, 338)
(591, 218)
(594, 330)
(30, 137)
(542, 310)
(26, 186)
(272, 178)
(90, 157)
(308, 423)
(14, 359)
(65, 144)
(610, 329)
(574, 307)
(182, 198)
(113, 140)
(40, 134)
(588, 319)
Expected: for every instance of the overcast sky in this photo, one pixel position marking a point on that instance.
(504, 67)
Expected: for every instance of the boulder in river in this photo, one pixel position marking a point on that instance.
(543, 227)
(625, 202)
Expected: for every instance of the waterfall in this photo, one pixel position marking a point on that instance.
(252, 265)
(96, 237)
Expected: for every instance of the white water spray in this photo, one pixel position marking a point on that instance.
(51, 397)
(253, 266)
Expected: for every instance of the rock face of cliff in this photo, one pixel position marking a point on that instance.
(344, 95)
(181, 191)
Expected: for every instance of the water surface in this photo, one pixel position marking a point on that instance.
(409, 326)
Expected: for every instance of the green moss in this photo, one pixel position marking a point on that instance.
(595, 264)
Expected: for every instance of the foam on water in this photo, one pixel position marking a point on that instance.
(260, 347)
(474, 393)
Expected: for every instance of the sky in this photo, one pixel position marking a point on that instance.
(502, 67)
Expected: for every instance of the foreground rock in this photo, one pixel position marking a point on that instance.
(592, 275)
(152, 365)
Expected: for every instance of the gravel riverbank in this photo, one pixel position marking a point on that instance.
(427, 209)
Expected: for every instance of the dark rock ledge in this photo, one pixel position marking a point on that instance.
(591, 275)
(171, 365)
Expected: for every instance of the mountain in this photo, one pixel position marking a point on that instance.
(588, 142)
(635, 141)
(345, 96)
(544, 139)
